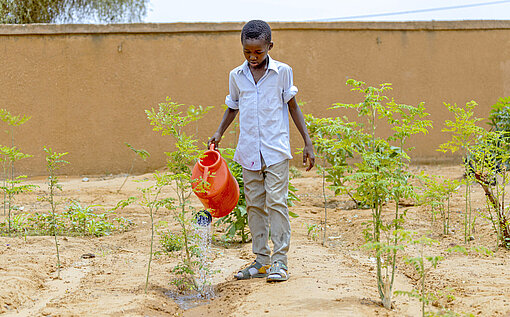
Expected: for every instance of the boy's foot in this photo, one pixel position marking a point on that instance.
(278, 272)
(254, 270)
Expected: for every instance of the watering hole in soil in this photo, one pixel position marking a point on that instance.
(204, 291)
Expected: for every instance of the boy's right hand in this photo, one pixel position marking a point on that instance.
(215, 139)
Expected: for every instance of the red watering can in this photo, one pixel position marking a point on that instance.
(214, 185)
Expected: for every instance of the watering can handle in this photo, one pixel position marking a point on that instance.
(211, 147)
(206, 174)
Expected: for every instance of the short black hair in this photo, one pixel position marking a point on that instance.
(256, 29)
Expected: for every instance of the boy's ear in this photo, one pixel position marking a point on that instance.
(270, 46)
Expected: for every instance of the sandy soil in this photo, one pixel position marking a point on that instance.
(337, 280)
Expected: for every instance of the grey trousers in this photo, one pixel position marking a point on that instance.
(266, 199)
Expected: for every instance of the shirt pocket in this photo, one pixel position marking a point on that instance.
(247, 98)
(273, 95)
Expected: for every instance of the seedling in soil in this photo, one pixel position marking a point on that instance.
(382, 172)
(312, 231)
(465, 133)
(12, 121)
(151, 203)
(54, 162)
(168, 241)
(76, 220)
(9, 155)
(143, 154)
(437, 193)
(423, 264)
(169, 120)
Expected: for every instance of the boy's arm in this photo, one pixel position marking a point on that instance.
(227, 119)
(299, 121)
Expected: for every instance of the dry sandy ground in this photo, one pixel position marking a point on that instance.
(338, 280)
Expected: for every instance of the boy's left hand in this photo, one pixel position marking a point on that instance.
(308, 154)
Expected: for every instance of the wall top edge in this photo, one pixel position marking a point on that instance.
(141, 28)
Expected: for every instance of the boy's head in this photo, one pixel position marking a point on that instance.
(256, 40)
(256, 30)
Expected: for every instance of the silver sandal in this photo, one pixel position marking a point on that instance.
(278, 272)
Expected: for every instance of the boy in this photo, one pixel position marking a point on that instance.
(262, 91)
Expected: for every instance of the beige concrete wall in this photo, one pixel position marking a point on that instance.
(87, 86)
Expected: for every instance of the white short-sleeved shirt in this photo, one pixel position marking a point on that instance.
(263, 113)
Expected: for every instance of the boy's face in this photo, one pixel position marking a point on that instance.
(255, 52)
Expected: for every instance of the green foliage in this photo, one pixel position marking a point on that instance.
(11, 119)
(381, 171)
(54, 162)
(151, 202)
(464, 129)
(437, 192)
(312, 231)
(486, 162)
(465, 133)
(333, 139)
(143, 154)
(83, 220)
(500, 116)
(9, 155)
(170, 120)
(423, 264)
(72, 11)
(76, 220)
(170, 242)
(294, 172)
(489, 163)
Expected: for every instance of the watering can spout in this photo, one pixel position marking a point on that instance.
(203, 218)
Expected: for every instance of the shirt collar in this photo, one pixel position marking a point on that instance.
(271, 64)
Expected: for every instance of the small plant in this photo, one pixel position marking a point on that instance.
(169, 241)
(151, 202)
(423, 264)
(83, 220)
(54, 162)
(312, 231)
(143, 154)
(382, 171)
(76, 220)
(465, 133)
(437, 193)
(169, 120)
(9, 155)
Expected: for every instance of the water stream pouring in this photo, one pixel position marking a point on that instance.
(215, 186)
